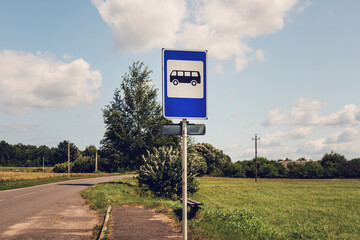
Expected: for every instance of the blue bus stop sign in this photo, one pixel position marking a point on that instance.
(184, 84)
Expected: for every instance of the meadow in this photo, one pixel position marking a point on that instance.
(244, 209)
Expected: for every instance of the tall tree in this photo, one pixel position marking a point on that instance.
(133, 121)
(62, 152)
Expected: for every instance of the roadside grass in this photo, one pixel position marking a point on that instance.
(12, 180)
(244, 209)
(25, 169)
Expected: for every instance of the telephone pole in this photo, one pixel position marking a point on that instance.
(96, 162)
(256, 139)
(68, 158)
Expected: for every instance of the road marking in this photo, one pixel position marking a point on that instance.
(45, 189)
(22, 195)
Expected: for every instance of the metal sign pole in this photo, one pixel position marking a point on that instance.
(184, 178)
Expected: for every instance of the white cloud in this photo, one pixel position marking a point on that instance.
(301, 132)
(140, 25)
(220, 26)
(279, 138)
(348, 135)
(39, 81)
(306, 113)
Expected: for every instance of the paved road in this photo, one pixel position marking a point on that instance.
(34, 207)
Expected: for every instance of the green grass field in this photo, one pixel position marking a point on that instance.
(285, 208)
(243, 209)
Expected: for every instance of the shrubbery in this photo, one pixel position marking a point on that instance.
(62, 167)
(162, 172)
(83, 164)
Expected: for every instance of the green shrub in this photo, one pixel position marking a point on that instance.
(233, 170)
(162, 173)
(84, 164)
(62, 167)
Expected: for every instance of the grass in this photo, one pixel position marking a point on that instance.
(25, 169)
(243, 209)
(284, 208)
(11, 180)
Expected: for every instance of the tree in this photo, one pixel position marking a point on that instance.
(133, 121)
(234, 170)
(296, 170)
(331, 163)
(62, 152)
(313, 170)
(215, 159)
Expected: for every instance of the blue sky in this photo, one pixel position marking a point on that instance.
(286, 70)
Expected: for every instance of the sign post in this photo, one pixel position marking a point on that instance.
(184, 96)
(184, 178)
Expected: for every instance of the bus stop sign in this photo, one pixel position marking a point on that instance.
(184, 84)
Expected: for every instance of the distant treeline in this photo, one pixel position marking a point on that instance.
(332, 165)
(212, 160)
(20, 155)
(216, 163)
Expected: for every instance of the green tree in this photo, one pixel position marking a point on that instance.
(313, 170)
(62, 152)
(215, 159)
(331, 163)
(296, 170)
(233, 170)
(133, 121)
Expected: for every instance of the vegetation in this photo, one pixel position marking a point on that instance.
(162, 173)
(133, 122)
(242, 209)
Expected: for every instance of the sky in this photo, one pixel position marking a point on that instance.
(286, 70)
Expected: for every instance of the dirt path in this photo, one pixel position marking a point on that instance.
(133, 223)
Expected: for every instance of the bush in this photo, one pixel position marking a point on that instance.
(84, 164)
(62, 167)
(233, 170)
(162, 173)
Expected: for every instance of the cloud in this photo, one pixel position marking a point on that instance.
(348, 135)
(139, 25)
(279, 138)
(306, 113)
(220, 26)
(40, 81)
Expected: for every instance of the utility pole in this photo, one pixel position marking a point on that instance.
(68, 158)
(96, 162)
(43, 165)
(256, 139)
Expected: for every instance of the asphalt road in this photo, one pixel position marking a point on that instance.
(32, 207)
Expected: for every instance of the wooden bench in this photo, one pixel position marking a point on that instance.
(194, 206)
